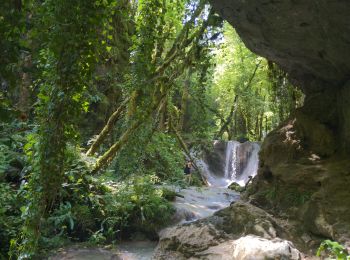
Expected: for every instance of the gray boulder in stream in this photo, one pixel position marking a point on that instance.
(241, 231)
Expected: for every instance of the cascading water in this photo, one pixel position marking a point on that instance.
(226, 163)
(230, 153)
(229, 162)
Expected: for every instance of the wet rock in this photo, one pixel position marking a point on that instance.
(236, 187)
(215, 157)
(243, 139)
(183, 214)
(222, 251)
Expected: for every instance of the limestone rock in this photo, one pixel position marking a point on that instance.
(257, 248)
(187, 239)
(215, 237)
(222, 251)
(243, 218)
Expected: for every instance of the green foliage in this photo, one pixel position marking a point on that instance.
(236, 187)
(263, 95)
(12, 140)
(135, 205)
(68, 47)
(160, 155)
(93, 210)
(333, 250)
(10, 221)
(12, 21)
(164, 157)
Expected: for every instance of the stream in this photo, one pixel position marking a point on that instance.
(228, 162)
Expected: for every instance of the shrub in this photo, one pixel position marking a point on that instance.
(10, 217)
(136, 205)
(160, 156)
(12, 140)
(333, 249)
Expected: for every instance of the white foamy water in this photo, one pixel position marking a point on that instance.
(241, 162)
(202, 202)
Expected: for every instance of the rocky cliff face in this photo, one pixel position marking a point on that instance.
(304, 169)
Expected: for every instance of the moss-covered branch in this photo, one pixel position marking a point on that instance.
(107, 128)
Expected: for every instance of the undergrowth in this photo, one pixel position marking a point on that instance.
(91, 209)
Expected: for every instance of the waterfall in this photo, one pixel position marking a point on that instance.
(230, 153)
(229, 162)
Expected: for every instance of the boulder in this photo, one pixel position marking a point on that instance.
(188, 239)
(242, 218)
(236, 187)
(219, 236)
(257, 248)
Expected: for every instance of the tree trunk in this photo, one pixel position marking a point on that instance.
(187, 152)
(24, 93)
(228, 119)
(184, 100)
(234, 107)
(108, 156)
(163, 111)
(106, 129)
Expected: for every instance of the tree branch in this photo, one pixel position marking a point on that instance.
(235, 103)
(106, 129)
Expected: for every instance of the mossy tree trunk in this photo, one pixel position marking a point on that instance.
(68, 44)
(106, 129)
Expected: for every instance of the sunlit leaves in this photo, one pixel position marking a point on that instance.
(257, 108)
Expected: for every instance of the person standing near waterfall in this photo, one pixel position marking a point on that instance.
(187, 171)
